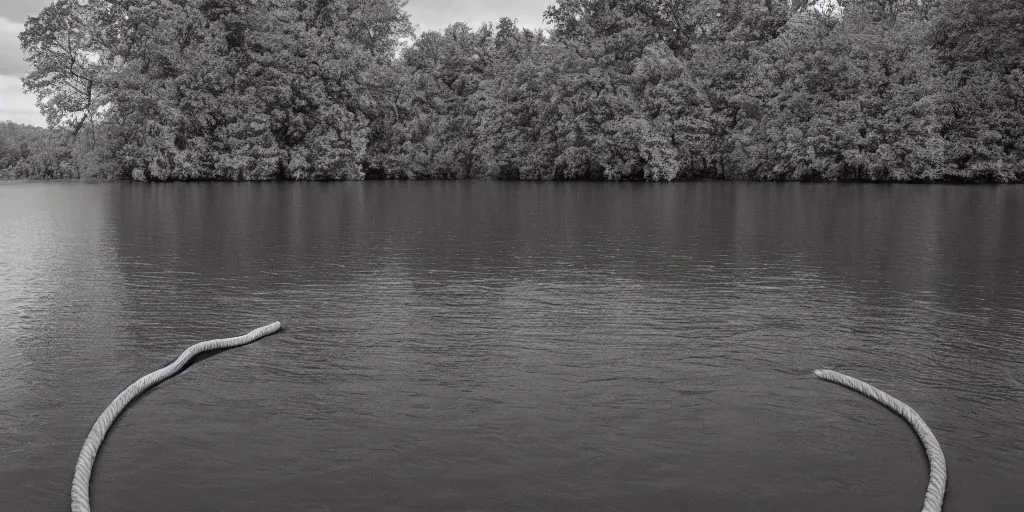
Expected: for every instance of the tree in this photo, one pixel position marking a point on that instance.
(619, 90)
(62, 50)
(444, 72)
(981, 47)
(855, 97)
(200, 89)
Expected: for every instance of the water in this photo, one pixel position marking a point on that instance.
(512, 346)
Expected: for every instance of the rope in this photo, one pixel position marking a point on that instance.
(86, 459)
(83, 469)
(937, 462)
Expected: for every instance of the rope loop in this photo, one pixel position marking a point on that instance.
(86, 459)
(936, 460)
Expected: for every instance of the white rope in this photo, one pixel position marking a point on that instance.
(83, 469)
(86, 459)
(937, 462)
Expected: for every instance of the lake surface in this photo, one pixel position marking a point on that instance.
(512, 346)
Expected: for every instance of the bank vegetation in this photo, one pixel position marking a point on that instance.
(658, 90)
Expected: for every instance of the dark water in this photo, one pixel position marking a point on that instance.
(512, 346)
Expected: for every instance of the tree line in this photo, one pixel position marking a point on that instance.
(658, 90)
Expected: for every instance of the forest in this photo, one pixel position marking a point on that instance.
(655, 90)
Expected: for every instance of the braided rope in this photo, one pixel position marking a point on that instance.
(83, 469)
(87, 457)
(937, 479)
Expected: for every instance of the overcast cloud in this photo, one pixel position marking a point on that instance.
(18, 10)
(437, 14)
(11, 62)
(426, 14)
(14, 104)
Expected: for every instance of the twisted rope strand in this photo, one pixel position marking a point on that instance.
(83, 469)
(937, 478)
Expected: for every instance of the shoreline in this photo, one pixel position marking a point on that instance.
(967, 182)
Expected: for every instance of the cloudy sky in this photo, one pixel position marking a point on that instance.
(427, 14)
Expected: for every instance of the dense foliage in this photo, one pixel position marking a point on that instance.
(894, 90)
(31, 152)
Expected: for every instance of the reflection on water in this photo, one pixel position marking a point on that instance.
(491, 346)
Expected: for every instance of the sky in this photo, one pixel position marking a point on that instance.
(426, 14)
